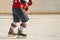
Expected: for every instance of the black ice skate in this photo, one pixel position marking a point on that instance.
(20, 33)
(11, 33)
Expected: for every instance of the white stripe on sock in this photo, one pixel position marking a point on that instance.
(12, 28)
(21, 28)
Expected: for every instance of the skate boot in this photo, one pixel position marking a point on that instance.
(21, 34)
(11, 33)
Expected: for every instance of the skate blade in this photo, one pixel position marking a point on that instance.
(12, 36)
(21, 37)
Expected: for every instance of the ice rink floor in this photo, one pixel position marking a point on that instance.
(40, 27)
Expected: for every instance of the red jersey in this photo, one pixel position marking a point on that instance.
(18, 4)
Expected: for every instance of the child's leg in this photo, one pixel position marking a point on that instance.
(24, 18)
(20, 30)
(14, 25)
(11, 30)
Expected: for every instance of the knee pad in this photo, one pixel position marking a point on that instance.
(13, 25)
(24, 24)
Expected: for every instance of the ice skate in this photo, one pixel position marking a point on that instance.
(11, 33)
(21, 34)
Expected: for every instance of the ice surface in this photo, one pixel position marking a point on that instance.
(40, 27)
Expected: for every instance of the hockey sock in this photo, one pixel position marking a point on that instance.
(12, 28)
(20, 28)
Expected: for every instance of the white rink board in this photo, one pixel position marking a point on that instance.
(38, 6)
(40, 27)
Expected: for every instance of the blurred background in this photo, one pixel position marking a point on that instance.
(39, 6)
(47, 27)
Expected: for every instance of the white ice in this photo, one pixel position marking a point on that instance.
(40, 27)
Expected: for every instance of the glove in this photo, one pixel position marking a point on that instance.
(24, 6)
(30, 3)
